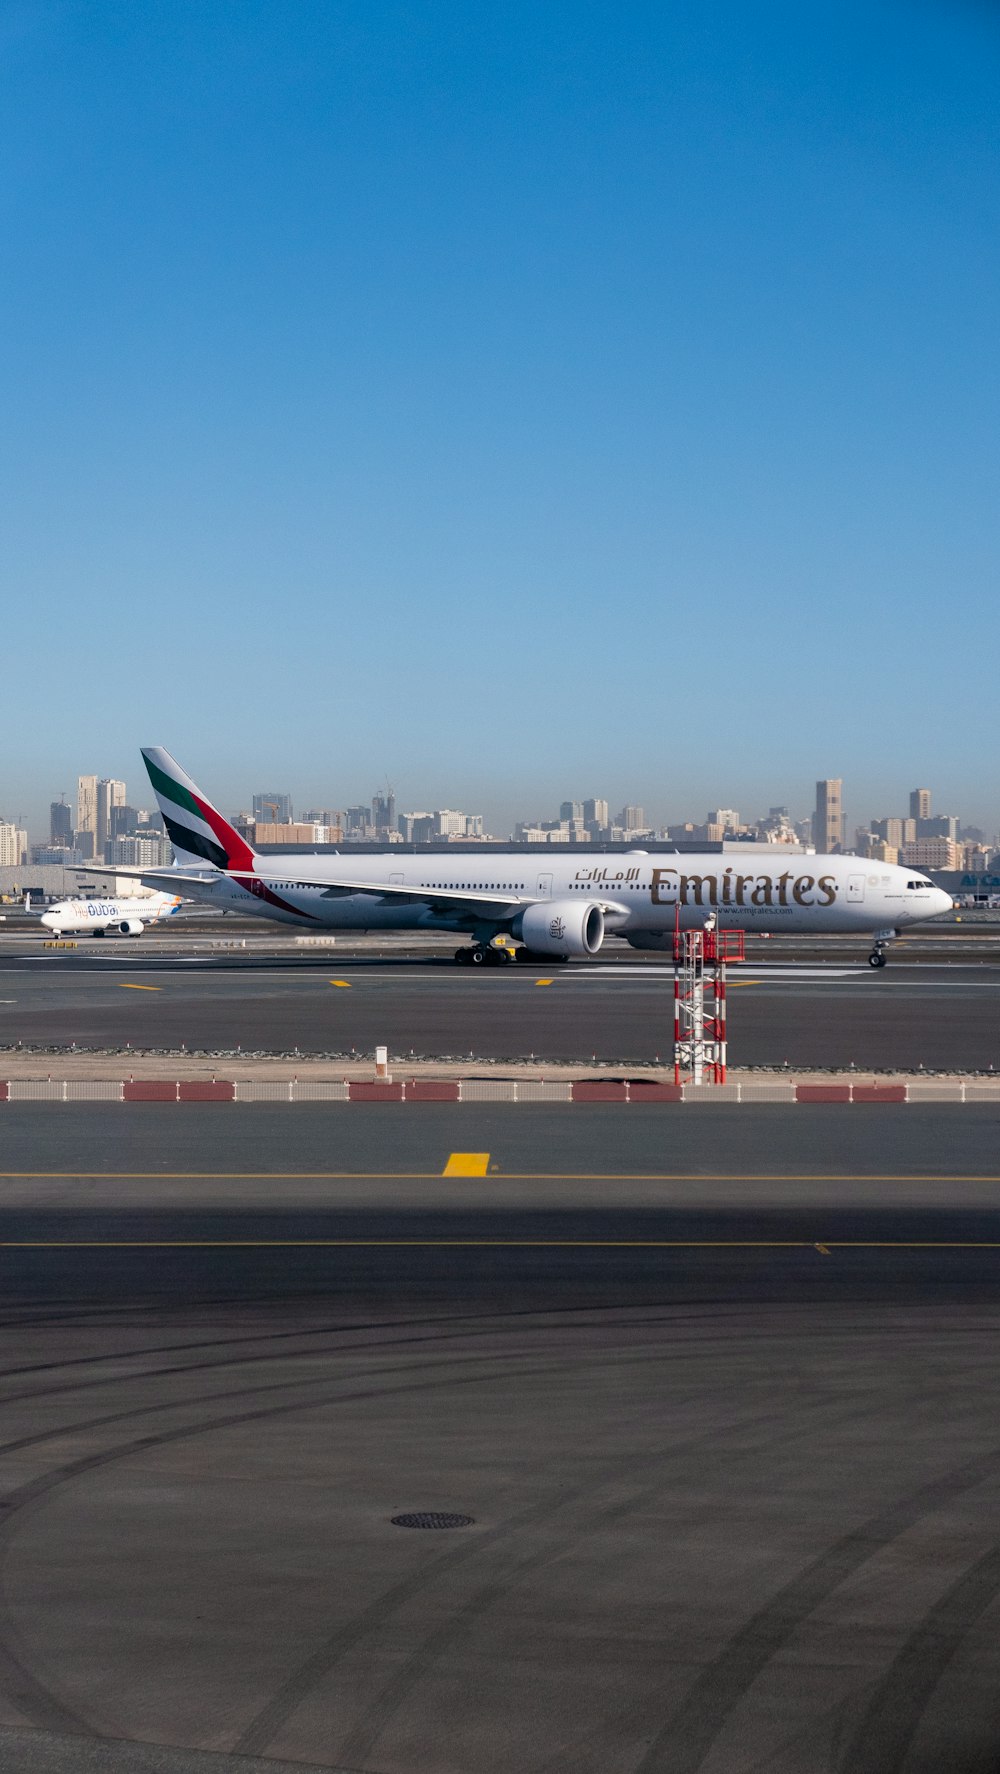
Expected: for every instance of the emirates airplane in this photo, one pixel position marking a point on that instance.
(552, 907)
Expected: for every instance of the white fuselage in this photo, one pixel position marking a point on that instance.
(639, 893)
(96, 917)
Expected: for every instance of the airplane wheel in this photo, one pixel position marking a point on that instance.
(876, 958)
(478, 957)
(463, 957)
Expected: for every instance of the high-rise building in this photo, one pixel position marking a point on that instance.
(13, 846)
(60, 823)
(273, 808)
(86, 806)
(828, 819)
(891, 831)
(595, 812)
(931, 853)
(110, 794)
(920, 803)
(632, 819)
(122, 821)
(297, 831)
(384, 812)
(938, 825)
(142, 853)
(571, 810)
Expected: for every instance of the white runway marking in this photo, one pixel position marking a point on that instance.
(769, 970)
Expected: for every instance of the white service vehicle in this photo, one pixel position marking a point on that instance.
(554, 906)
(103, 917)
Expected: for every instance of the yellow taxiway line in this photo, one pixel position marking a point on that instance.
(824, 1247)
(507, 1176)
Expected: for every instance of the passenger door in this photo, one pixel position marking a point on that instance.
(544, 888)
(855, 889)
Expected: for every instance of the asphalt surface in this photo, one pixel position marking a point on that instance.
(719, 1393)
(935, 1005)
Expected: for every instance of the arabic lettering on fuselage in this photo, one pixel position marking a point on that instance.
(727, 888)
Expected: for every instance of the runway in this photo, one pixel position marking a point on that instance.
(814, 1008)
(721, 1411)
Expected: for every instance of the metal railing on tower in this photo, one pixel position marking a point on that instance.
(700, 958)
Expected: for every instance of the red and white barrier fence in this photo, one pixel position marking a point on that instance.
(488, 1090)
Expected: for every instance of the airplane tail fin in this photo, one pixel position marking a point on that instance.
(198, 833)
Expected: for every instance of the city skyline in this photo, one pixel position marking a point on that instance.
(100, 799)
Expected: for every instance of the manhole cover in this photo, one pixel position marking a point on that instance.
(431, 1518)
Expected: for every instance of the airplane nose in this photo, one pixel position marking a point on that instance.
(943, 901)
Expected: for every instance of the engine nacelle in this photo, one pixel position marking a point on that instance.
(563, 927)
(651, 939)
(131, 927)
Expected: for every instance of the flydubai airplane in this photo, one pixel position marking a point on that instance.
(552, 908)
(100, 917)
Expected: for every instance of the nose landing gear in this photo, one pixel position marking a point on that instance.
(880, 942)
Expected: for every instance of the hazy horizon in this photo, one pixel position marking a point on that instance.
(751, 809)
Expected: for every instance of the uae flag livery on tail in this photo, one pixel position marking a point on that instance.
(197, 832)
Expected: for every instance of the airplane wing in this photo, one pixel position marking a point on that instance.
(166, 876)
(445, 897)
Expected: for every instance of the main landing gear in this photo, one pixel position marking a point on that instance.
(483, 955)
(880, 942)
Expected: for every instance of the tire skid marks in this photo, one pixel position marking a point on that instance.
(359, 1744)
(882, 1740)
(684, 1742)
(697, 1325)
(38, 1703)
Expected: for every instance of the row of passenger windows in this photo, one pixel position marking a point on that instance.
(476, 886)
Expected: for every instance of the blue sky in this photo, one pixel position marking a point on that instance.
(519, 401)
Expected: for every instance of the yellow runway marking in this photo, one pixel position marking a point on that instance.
(123, 987)
(502, 1177)
(344, 983)
(493, 1244)
(509, 1176)
(543, 982)
(467, 1164)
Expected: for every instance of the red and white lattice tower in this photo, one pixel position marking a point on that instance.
(700, 958)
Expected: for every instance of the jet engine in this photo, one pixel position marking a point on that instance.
(651, 939)
(131, 927)
(563, 927)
